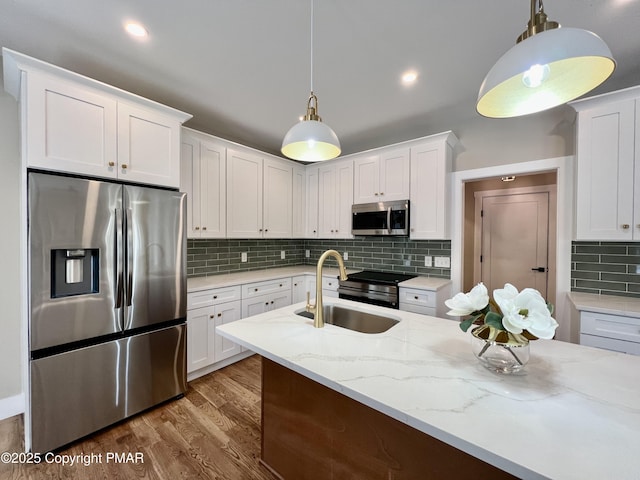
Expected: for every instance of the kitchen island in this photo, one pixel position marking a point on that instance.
(573, 413)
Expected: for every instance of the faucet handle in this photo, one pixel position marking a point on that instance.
(309, 307)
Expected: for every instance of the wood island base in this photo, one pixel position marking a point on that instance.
(311, 432)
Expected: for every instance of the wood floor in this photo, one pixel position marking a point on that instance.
(213, 433)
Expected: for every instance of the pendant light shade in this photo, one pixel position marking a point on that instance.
(549, 66)
(311, 140)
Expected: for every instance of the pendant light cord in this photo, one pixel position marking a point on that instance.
(311, 44)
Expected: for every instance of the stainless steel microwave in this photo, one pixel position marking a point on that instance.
(380, 218)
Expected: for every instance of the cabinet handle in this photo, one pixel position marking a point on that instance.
(197, 228)
(625, 226)
(376, 194)
(204, 228)
(112, 164)
(381, 193)
(124, 166)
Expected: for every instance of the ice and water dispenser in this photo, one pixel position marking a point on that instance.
(74, 271)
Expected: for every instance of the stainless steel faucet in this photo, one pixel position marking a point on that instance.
(317, 310)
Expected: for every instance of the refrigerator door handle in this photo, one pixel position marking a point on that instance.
(119, 260)
(129, 224)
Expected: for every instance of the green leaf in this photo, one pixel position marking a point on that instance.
(465, 324)
(494, 320)
(550, 308)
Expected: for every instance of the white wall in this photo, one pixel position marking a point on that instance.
(10, 325)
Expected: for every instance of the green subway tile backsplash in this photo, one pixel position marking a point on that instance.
(211, 257)
(606, 268)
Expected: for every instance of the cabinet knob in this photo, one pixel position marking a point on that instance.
(256, 290)
(271, 302)
(112, 164)
(124, 166)
(280, 284)
(376, 194)
(330, 283)
(204, 228)
(266, 229)
(266, 303)
(415, 298)
(260, 230)
(197, 228)
(210, 316)
(381, 193)
(220, 314)
(625, 226)
(215, 296)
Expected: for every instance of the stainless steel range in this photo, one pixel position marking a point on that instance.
(376, 288)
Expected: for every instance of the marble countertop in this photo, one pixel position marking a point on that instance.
(573, 413)
(195, 284)
(613, 305)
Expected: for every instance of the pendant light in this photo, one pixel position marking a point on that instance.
(311, 140)
(548, 66)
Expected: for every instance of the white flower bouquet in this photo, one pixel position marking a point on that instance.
(511, 317)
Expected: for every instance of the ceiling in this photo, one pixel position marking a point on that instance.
(242, 67)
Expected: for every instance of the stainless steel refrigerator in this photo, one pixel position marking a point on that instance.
(107, 326)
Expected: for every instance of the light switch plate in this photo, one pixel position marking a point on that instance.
(282, 255)
(243, 257)
(345, 256)
(307, 253)
(443, 262)
(428, 260)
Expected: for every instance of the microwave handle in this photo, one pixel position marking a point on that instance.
(389, 220)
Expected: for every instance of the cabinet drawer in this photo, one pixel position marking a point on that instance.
(213, 297)
(610, 344)
(408, 307)
(330, 284)
(250, 290)
(424, 298)
(610, 326)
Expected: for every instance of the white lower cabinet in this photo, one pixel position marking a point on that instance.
(206, 310)
(611, 332)
(260, 297)
(425, 301)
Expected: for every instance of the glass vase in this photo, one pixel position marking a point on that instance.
(499, 357)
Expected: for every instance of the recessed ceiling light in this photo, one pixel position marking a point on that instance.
(409, 77)
(136, 29)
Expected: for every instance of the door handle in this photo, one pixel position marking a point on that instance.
(389, 220)
(539, 269)
(119, 258)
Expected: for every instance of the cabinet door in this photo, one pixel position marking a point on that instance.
(366, 184)
(190, 182)
(213, 192)
(69, 128)
(148, 146)
(299, 202)
(226, 313)
(605, 153)
(394, 175)
(344, 177)
(277, 203)
(430, 168)
(327, 201)
(255, 305)
(279, 300)
(244, 194)
(299, 289)
(311, 224)
(200, 342)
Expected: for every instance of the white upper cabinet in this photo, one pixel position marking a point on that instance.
(299, 186)
(278, 199)
(430, 178)
(608, 167)
(74, 124)
(383, 176)
(335, 198)
(244, 194)
(259, 196)
(203, 179)
(311, 223)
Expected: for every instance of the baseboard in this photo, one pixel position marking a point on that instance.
(11, 406)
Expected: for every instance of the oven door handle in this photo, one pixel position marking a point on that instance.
(389, 220)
